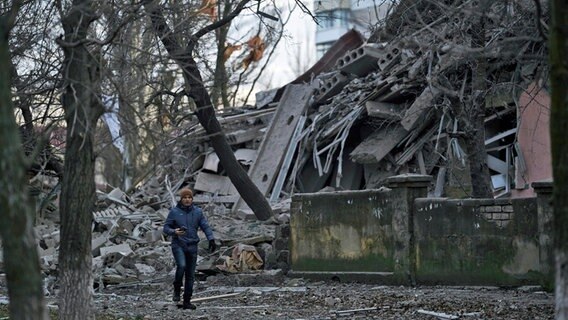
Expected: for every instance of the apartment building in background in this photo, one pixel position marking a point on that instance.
(336, 17)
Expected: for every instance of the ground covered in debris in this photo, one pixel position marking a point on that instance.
(279, 297)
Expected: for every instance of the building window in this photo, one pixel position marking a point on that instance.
(321, 48)
(333, 19)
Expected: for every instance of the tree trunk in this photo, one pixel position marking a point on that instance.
(205, 112)
(475, 145)
(475, 113)
(558, 124)
(82, 111)
(21, 262)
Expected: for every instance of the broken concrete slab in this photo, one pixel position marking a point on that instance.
(215, 184)
(415, 113)
(271, 152)
(384, 110)
(330, 87)
(123, 248)
(361, 61)
(390, 57)
(378, 144)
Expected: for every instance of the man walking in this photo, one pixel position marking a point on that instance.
(182, 223)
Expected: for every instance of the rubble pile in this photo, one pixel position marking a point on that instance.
(396, 105)
(128, 245)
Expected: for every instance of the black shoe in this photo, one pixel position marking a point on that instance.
(189, 305)
(177, 295)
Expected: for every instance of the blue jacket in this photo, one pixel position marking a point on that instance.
(190, 217)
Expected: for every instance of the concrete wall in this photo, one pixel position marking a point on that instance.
(477, 242)
(355, 234)
(397, 236)
(342, 231)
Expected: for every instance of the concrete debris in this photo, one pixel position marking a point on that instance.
(438, 315)
(128, 245)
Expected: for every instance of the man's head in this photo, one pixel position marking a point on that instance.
(186, 196)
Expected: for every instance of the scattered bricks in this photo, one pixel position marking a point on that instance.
(488, 216)
(282, 231)
(493, 209)
(507, 208)
(501, 216)
(482, 209)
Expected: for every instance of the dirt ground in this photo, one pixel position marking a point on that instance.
(278, 297)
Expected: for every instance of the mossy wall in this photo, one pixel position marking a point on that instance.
(343, 231)
(476, 242)
(419, 240)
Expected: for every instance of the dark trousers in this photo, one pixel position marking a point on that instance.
(185, 262)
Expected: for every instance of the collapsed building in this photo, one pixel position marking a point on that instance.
(367, 111)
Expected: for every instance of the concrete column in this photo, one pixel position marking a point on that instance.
(545, 211)
(406, 187)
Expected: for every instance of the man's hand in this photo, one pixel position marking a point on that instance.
(179, 231)
(212, 245)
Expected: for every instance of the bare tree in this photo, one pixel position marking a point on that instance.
(195, 89)
(21, 258)
(242, 56)
(81, 103)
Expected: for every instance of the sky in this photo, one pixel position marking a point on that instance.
(295, 52)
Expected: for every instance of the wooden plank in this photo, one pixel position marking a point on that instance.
(438, 315)
(275, 143)
(221, 296)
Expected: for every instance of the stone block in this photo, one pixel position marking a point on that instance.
(507, 208)
(501, 216)
(283, 231)
(493, 209)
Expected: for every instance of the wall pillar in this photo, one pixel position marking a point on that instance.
(545, 211)
(407, 188)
